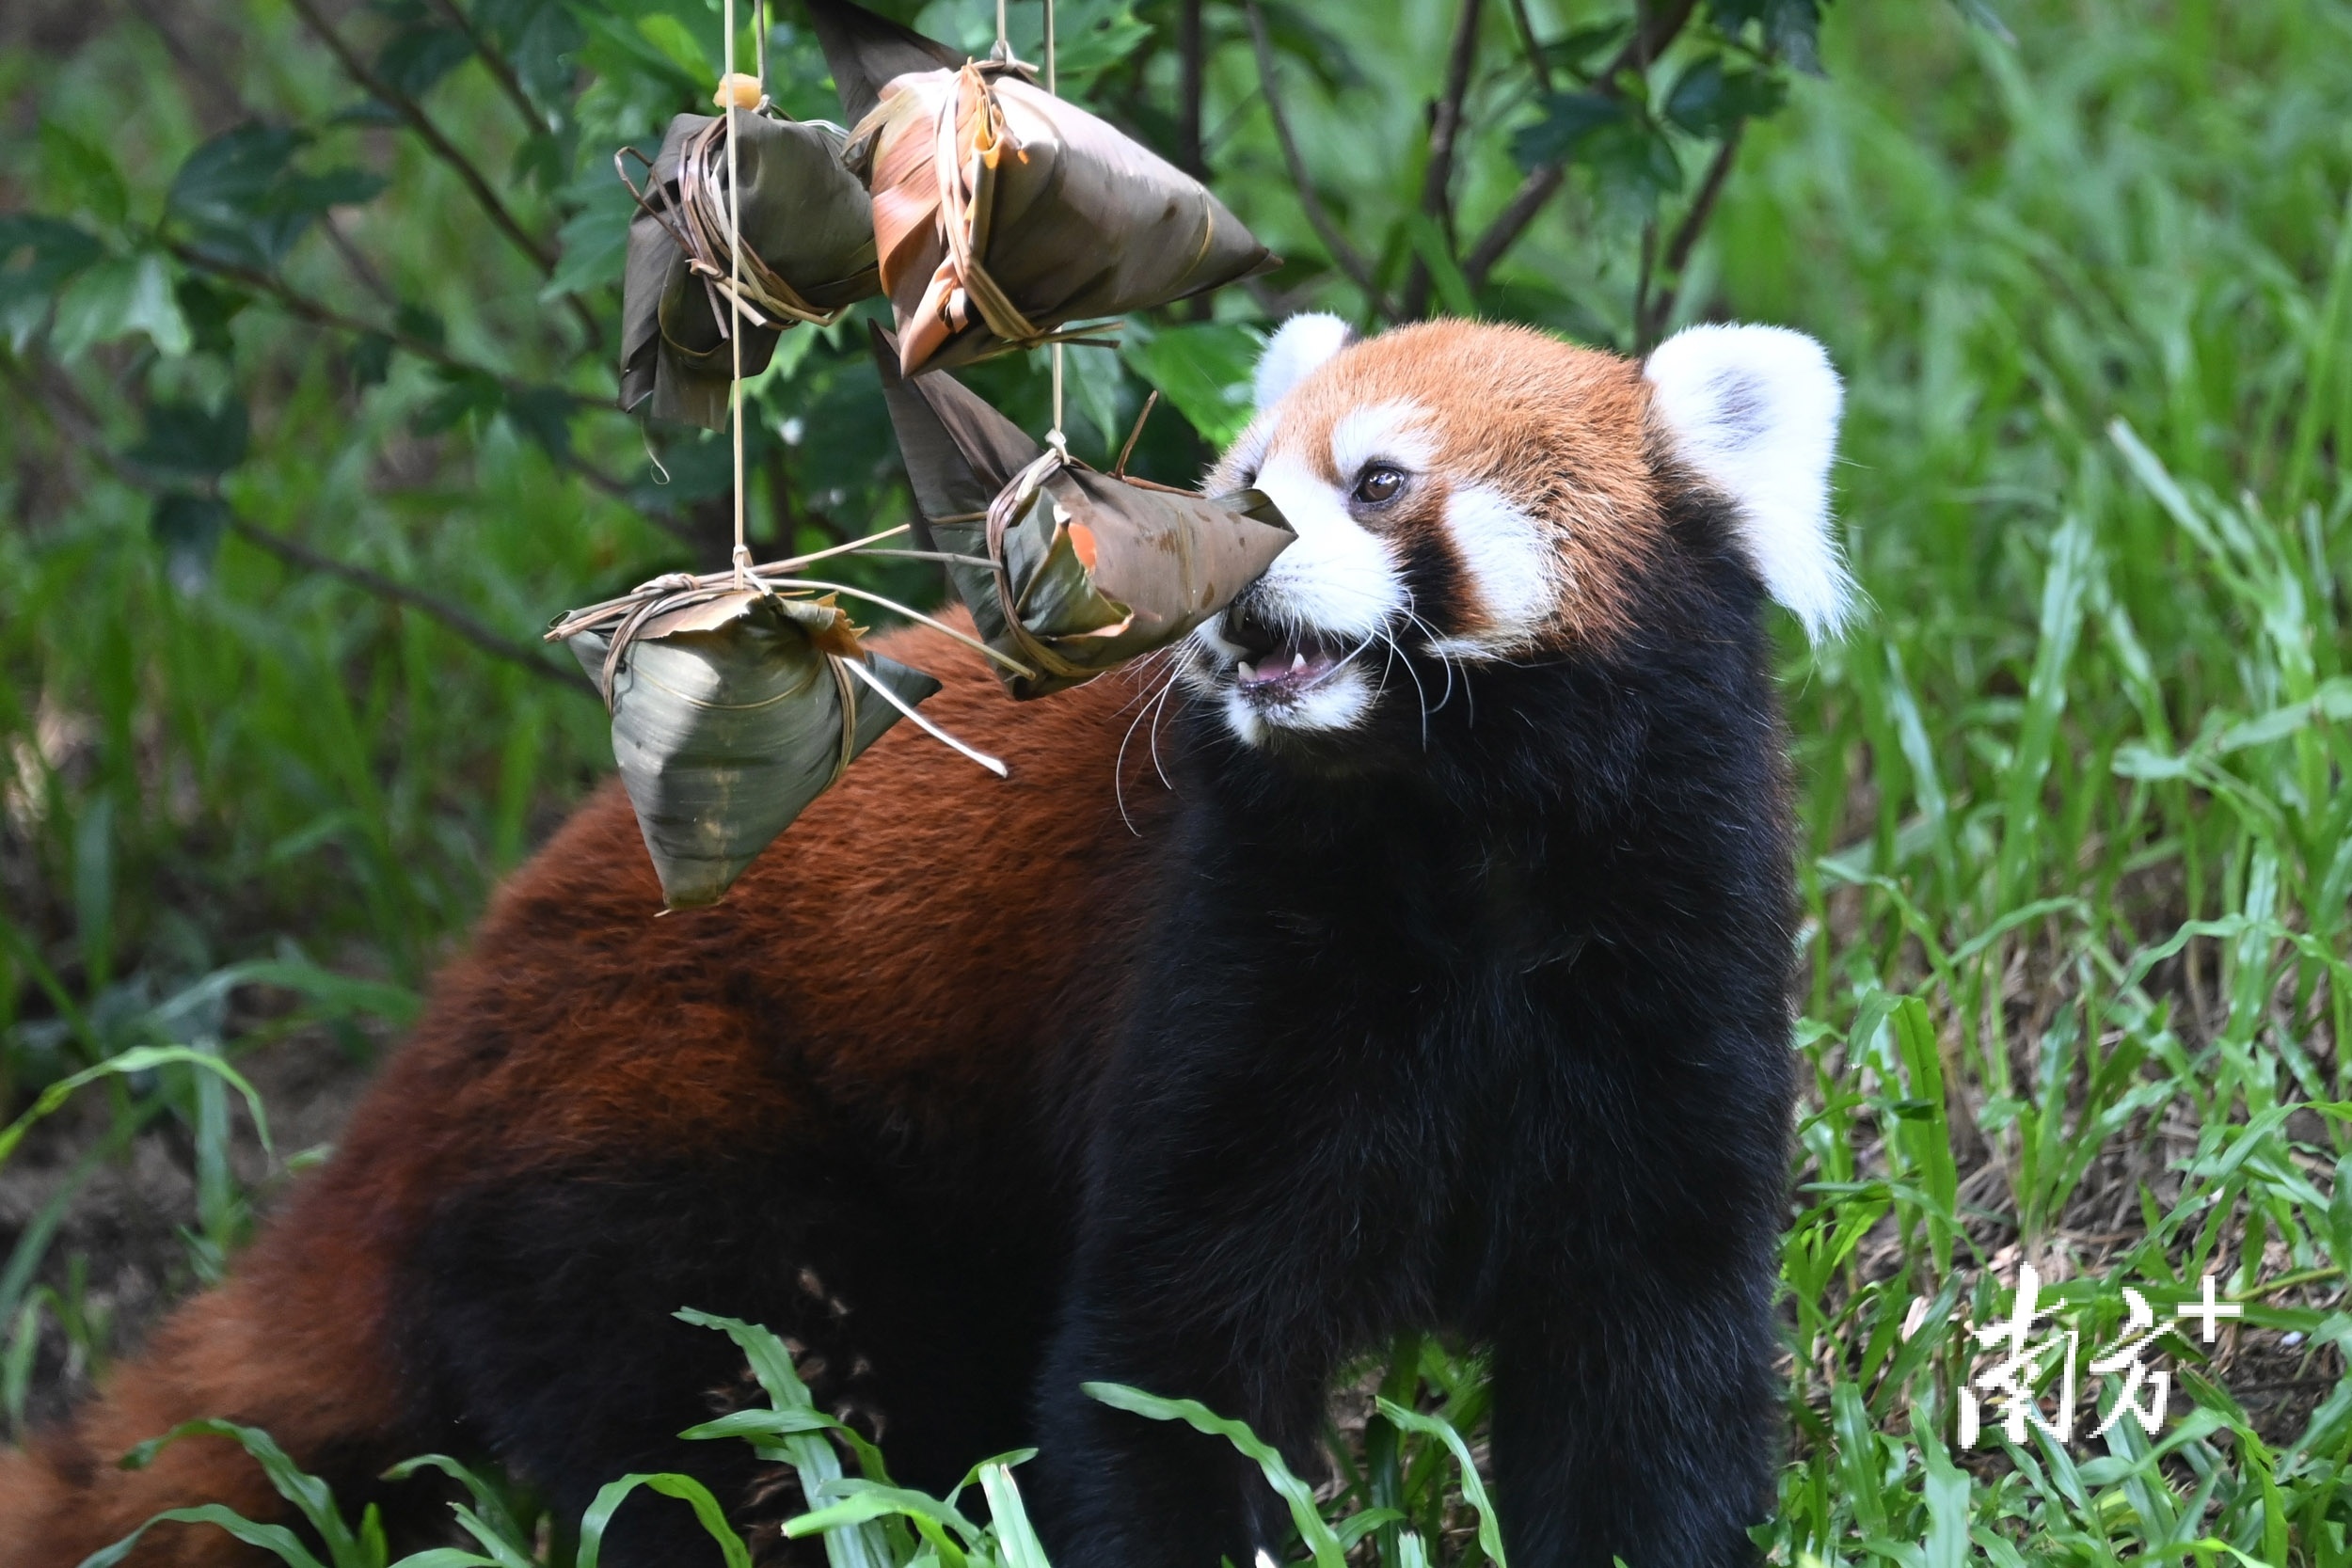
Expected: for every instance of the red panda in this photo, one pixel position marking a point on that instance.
(1445, 986)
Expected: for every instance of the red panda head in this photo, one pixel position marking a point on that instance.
(1478, 494)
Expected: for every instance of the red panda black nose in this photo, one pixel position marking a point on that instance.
(1247, 627)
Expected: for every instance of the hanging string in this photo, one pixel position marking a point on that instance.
(735, 304)
(1053, 437)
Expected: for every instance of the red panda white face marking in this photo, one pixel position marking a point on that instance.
(1474, 494)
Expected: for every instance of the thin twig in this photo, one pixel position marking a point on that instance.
(1344, 254)
(502, 217)
(223, 107)
(1535, 62)
(69, 415)
(1658, 28)
(1686, 239)
(295, 552)
(1191, 155)
(500, 68)
(408, 110)
(1193, 55)
(357, 260)
(302, 305)
(1445, 126)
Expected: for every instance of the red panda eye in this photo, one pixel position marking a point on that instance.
(1379, 483)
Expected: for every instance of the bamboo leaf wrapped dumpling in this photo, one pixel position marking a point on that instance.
(1067, 570)
(732, 709)
(809, 254)
(1002, 213)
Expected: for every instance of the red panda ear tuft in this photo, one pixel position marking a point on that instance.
(1754, 409)
(1297, 349)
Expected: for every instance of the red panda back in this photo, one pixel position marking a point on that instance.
(903, 954)
(904, 935)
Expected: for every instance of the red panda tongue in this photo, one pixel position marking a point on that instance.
(1292, 664)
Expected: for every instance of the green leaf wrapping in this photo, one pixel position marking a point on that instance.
(1099, 570)
(804, 216)
(1060, 218)
(727, 720)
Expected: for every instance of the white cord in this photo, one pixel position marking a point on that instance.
(735, 307)
(857, 667)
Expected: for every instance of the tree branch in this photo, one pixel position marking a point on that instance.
(1193, 55)
(294, 553)
(502, 217)
(1344, 254)
(410, 111)
(1686, 239)
(1535, 62)
(496, 63)
(1656, 30)
(69, 416)
(1445, 126)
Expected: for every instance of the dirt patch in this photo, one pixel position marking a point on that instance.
(126, 1246)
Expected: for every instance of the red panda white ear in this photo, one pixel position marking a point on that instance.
(1300, 346)
(1754, 409)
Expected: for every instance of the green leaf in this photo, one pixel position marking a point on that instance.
(1790, 28)
(142, 1058)
(188, 438)
(498, 1531)
(751, 1424)
(311, 1496)
(417, 56)
(1568, 118)
(187, 528)
(1633, 164)
(1205, 369)
(679, 44)
(275, 1539)
(242, 199)
(544, 416)
(865, 1499)
(1297, 1493)
(598, 1519)
(115, 298)
(1445, 273)
(1473, 1489)
(1708, 99)
(539, 39)
(1015, 1537)
(84, 174)
(37, 254)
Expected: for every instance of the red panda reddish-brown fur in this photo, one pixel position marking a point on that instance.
(1446, 989)
(918, 916)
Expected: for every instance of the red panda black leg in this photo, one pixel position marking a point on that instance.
(1636, 1425)
(547, 1306)
(1208, 1268)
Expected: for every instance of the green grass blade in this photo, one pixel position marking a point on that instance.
(713, 1519)
(275, 1539)
(1293, 1491)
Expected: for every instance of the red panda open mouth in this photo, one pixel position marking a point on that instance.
(1296, 662)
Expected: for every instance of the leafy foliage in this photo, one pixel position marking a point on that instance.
(309, 431)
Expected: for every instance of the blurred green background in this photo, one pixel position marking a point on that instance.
(307, 316)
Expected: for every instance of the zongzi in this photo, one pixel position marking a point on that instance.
(807, 253)
(1069, 571)
(732, 709)
(1002, 214)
